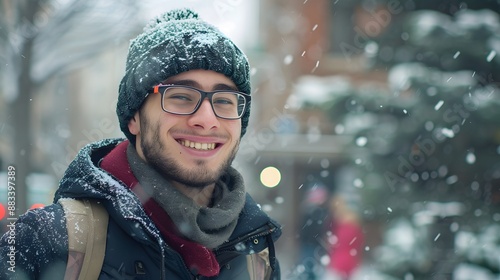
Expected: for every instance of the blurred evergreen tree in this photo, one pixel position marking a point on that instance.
(433, 137)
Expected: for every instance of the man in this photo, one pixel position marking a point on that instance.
(176, 207)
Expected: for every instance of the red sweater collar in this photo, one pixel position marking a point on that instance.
(198, 258)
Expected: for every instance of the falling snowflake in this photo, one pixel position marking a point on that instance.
(438, 105)
(491, 55)
(470, 158)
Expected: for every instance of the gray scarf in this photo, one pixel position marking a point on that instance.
(208, 226)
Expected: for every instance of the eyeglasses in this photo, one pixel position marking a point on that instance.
(186, 100)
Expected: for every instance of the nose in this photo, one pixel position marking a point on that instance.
(204, 117)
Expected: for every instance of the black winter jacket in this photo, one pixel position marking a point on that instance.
(41, 239)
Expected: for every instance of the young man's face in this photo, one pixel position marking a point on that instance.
(164, 139)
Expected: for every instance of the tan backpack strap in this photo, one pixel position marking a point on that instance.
(258, 265)
(87, 225)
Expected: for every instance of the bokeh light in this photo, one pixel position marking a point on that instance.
(270, 176)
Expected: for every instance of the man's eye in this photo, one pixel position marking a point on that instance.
(224, 101)
(180, 97)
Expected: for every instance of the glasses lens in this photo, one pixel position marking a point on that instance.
(229, 105)
(180, 100)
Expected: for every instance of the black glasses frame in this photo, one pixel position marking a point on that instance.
(161, 89)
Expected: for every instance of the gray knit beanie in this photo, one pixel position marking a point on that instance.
(176, 42)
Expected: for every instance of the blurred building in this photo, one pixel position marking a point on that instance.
(304, 45)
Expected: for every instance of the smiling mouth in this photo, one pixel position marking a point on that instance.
(197, 146)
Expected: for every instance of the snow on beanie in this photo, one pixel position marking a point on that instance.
(176, 42)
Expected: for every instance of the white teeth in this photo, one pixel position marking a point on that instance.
(197, 146)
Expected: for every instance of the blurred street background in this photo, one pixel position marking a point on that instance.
(374, 136)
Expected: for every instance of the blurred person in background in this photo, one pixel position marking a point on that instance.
(346, 240)
(176, 207)
(314, 225)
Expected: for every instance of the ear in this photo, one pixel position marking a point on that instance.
(134, 124)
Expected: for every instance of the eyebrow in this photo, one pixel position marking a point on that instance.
(195, 84)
